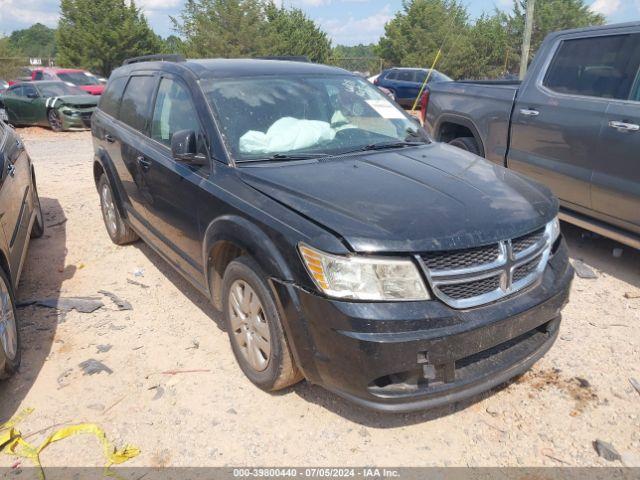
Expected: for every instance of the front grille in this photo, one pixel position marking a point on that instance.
(466, 290)
(475, 276)
(468, 258)
(520, 244)
(524, 270)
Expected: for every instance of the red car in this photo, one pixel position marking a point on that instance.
(81, 78)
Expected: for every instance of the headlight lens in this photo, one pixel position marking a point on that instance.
(363, 278)
(553, 230)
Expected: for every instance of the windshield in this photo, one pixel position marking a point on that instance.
(78, 78)
(59, 89)
(271, 117)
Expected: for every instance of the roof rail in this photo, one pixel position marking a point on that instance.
(155, 58)
(291, 58)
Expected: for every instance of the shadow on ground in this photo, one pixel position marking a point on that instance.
(42, 276)
(598, 252)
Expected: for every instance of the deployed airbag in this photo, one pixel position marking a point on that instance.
(285, 135)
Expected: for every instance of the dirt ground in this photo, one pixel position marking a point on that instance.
(579, 392)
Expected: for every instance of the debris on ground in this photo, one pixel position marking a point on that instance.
(196, 370)
(195, 345)
(138, 284)
(159, 391)
(120, 303)
(104, 348)
(635, 384)
(63, 377)
(631, 295)
(66, 304)
(93, 366)
(606, 450)
(583, 270)
(138, 272)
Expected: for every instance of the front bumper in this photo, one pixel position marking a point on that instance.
(80, 120)
(408, 356)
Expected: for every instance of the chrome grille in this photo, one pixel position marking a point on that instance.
(471, 257)
(475, 276)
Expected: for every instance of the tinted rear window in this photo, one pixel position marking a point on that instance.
(110, 99)
(597, 67)
(134, 110)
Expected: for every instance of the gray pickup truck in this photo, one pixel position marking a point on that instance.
(573, 124)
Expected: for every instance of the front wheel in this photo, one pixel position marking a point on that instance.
(255, 329)
(9, 335)
(466, 143)
(55, 122)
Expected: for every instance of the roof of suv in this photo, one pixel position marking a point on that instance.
(237, 67)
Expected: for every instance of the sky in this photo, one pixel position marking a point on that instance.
(348, 22)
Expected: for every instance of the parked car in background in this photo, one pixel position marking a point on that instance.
(3, 85)
(21, 219)
(52, 104)
(340, 243)
(405, 83)
(87, 81)
(573, 124)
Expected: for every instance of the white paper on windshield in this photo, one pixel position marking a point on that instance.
(385, 109)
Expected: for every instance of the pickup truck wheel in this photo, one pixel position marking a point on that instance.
(466, 143)
(9, 335)
(119, 232)
(254, 327)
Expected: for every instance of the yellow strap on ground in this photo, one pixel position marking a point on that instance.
(426, 80)
(12, 443)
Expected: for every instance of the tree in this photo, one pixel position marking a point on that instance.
(291, 32)
(248, 28)
(99, 34)
(550, 16)
(172, 44)
(36, 41)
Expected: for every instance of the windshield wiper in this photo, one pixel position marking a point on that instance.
(285, 157)
(392, 144)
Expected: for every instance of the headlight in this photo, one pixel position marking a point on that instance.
(553, 230)
(363, 278)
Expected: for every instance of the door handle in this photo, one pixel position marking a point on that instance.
(11, 169)
(109, 138)
(529, 112)
(143, 162)
(624, 126)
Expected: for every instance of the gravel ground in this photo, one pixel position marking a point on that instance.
(579, 392)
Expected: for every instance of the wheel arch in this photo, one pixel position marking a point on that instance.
(103, 165)
(451, 126)
(231, 236)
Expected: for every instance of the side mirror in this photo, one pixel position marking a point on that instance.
(184, 148)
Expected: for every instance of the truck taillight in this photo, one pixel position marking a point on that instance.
(424, 103)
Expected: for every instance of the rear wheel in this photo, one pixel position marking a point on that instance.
(38, 226)
(9, 335)
(466, 143)
(119, 232)
(254, 327)
(55, 122)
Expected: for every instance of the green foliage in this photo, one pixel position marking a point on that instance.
(36, 41)
(99, 34)
(248, 28)
(487, 48)
(172, 44)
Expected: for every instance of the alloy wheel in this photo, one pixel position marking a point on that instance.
(109, 210)
(8, 327)
(249, 325)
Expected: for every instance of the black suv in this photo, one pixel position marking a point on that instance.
(340, 243)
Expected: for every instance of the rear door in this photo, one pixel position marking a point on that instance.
(405, 85)
(555, 132)
(615, 190)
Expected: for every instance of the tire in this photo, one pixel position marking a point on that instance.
(55, 122)
(466, 143)
(10, 350)
(38, 226)
(271, 366)
(119, 232)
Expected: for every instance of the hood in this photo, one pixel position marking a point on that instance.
(93, 89)
(435, 197)
(73, 101)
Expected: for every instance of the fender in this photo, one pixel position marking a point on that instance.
(102, 158)
(249, 237)
(462, 121)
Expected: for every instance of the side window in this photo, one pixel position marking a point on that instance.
(174, 111)
(602, 67)
(38, 75)
(421, 76)
(110, 99)
(405, 75)
(134, 110)
(29, 91)
(392, 75)
(16, 91)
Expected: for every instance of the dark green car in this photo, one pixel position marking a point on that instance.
(48, 104)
